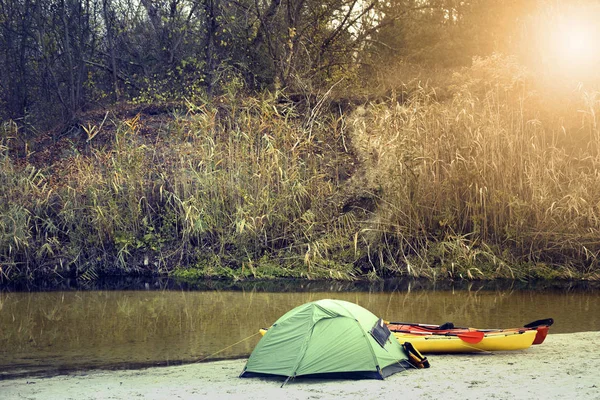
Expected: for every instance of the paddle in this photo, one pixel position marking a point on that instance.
(539, 322)
(469, 337)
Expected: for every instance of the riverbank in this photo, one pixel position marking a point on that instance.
(459, 186)
(565, 366)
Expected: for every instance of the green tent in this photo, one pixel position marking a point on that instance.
(331, 338)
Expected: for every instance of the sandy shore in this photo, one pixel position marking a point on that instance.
(564, 366)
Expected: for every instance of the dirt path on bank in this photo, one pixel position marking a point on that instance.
(565, 366)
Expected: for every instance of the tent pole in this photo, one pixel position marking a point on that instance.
(286, 381)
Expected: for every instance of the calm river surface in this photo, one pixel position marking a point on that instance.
(57, 331)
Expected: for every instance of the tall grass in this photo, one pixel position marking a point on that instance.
(235, 188)
(497, 177)
(27, 233)
(486, 177)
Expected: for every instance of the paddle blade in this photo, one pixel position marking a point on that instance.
(470, 337)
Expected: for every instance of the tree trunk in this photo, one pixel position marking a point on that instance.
(111, 47)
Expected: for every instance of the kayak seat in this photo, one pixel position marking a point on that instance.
(445, 326)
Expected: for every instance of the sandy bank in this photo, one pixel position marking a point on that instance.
(565, 366)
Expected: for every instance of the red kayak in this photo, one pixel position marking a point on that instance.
(541, 326)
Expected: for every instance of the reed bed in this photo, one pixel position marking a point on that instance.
(236, 188)
(487, 177)
(498, 180)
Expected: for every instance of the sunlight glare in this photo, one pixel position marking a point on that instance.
(567, 42)
(576, 42)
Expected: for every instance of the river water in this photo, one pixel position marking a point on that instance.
(50, 332)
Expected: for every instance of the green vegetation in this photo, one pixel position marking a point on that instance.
(486, 177)
(498, 180)
(310, 139)
(232, 188)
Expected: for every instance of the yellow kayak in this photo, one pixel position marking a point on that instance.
(492, 341)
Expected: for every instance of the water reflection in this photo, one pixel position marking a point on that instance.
(54, 331)
(291, 285)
